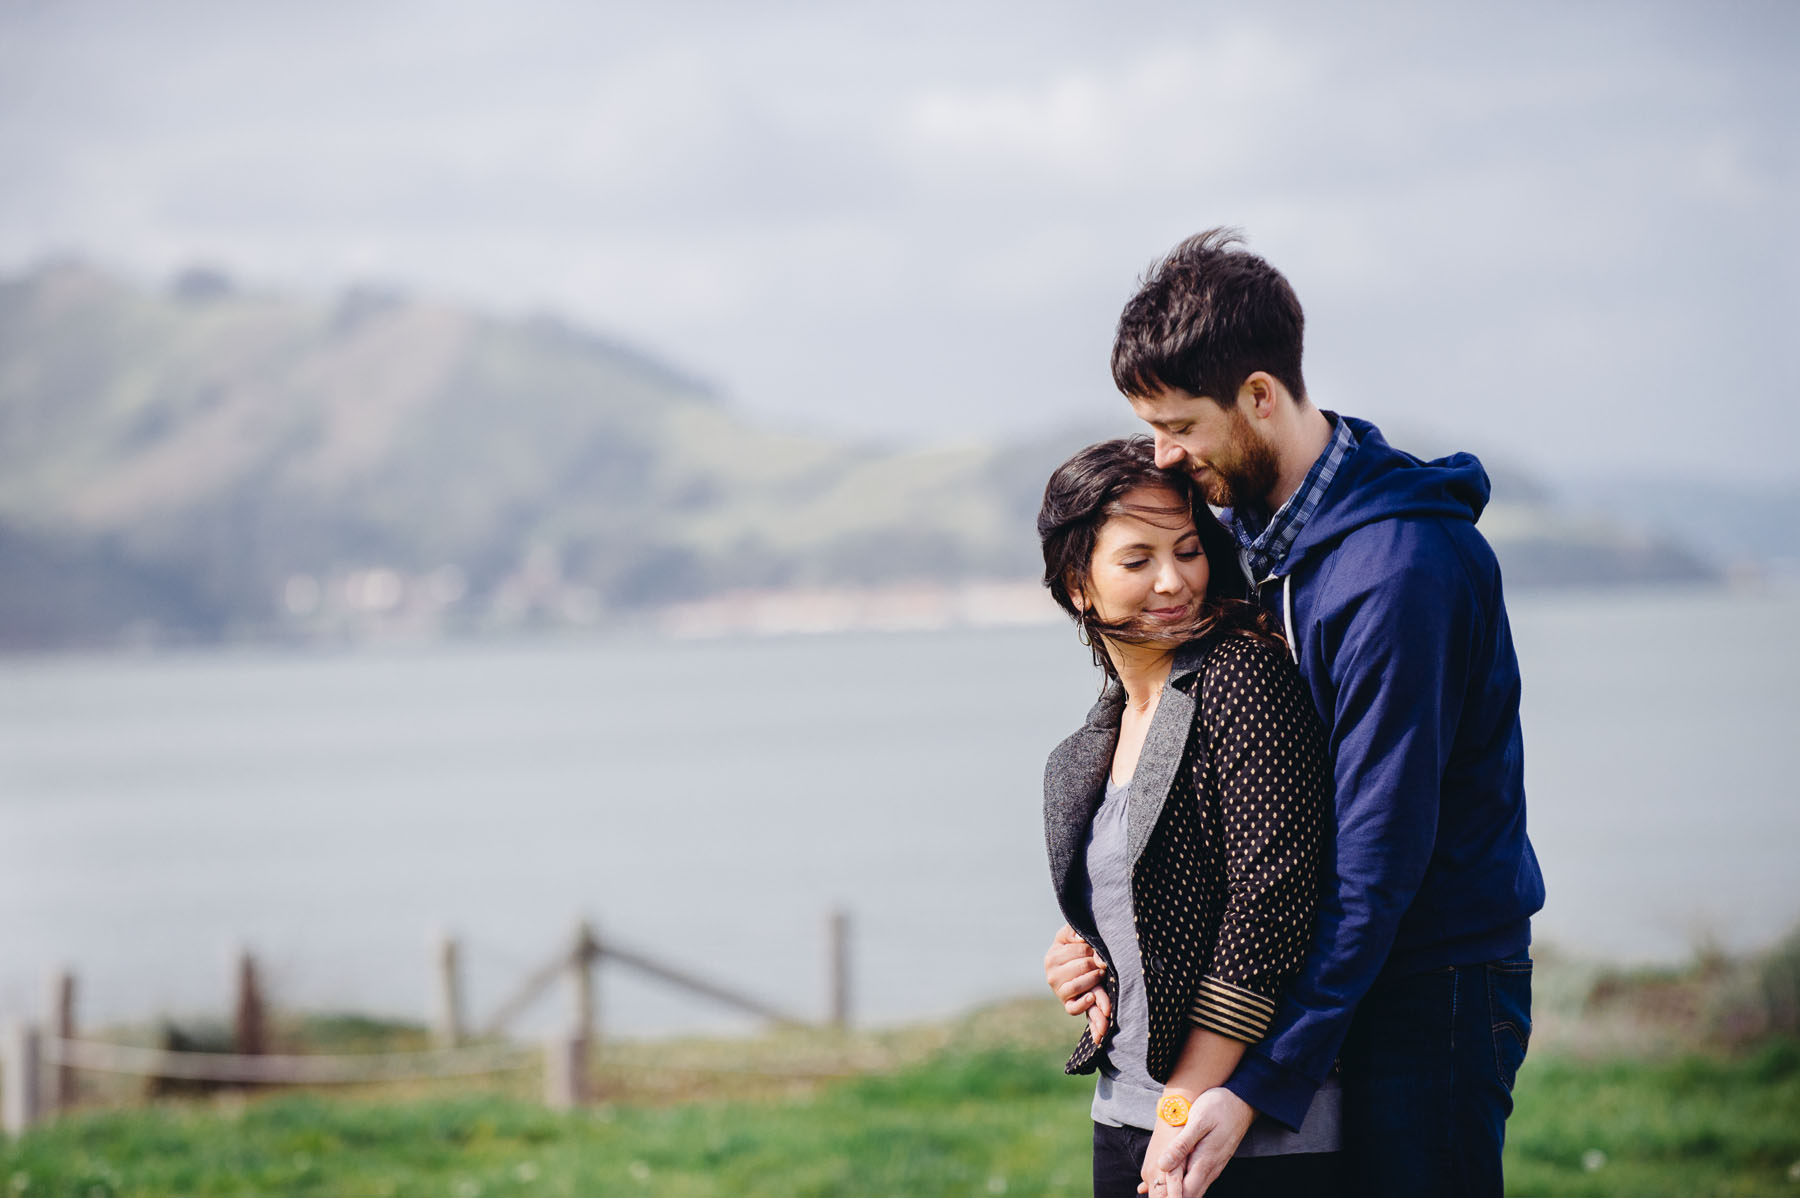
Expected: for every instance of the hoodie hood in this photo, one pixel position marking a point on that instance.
(1379, 482)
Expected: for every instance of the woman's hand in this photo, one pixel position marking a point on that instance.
(1077, 976)
(1163, 1138)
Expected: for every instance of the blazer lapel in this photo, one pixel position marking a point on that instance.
(1074, 784)
(1164, 746)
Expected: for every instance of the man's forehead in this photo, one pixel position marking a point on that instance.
(1169, 406)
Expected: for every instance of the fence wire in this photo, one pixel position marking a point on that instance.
(312, 1069)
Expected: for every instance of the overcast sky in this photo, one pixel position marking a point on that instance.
(1564, 232)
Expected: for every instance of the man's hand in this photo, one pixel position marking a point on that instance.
(1193, 1158)
(1077, 976)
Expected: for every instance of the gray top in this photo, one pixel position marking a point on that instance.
(1125, 1095)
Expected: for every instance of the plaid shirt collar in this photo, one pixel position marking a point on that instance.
(1266, 539)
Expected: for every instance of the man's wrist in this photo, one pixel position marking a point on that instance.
(1227, 1112)
(1227, 1095)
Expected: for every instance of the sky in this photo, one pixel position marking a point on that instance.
(1559, 232)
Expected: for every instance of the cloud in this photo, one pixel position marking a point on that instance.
(921, 222)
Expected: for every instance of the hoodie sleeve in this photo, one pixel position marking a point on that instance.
(1398, 636)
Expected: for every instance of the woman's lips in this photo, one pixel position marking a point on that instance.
(1168, 613)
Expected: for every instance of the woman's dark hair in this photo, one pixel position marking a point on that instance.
(1088, 490)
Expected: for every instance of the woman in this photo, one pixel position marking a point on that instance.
(1183, 820)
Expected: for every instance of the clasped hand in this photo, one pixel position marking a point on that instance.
(1077, 977)
(1183, 1161)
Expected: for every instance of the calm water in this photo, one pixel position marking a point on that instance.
(709, 801)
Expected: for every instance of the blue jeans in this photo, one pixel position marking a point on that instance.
(1428, 1068)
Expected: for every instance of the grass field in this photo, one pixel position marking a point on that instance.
(980, 1107)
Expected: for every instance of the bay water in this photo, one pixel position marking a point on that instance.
(708, 801)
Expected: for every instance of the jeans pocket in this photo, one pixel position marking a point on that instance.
(1509, 1001)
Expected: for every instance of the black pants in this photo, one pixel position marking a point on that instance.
(1119, 1155)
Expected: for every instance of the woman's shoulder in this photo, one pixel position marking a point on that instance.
(1241, 650)
(1241, 666)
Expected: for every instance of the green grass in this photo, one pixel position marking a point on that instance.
(1691, 1126)
(987, 1113)
(994, 1121)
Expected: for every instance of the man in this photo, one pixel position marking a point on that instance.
(1417, 978)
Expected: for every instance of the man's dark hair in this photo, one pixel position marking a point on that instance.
(1207, 317)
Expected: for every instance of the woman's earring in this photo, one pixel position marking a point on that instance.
(1084, 634)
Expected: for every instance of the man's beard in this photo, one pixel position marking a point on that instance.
(1244, 472)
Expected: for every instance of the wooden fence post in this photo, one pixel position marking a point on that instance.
(566, 1056)
(448, 1017)
(23, 1104)
(60, 1092)
(838, 961)
(565, 1071)
(584, 954)
(250, 1025)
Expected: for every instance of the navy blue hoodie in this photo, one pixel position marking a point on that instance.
(1394, 607)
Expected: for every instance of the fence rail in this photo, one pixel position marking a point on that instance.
(38, 1064)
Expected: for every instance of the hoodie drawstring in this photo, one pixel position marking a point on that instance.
(1287, 617)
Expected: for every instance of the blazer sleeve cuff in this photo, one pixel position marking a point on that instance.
(1276, 1090)
(1231, 1010)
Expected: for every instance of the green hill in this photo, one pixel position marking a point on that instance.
(217, 448)
(205, 461)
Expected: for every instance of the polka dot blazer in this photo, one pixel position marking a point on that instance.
(1227, 816)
